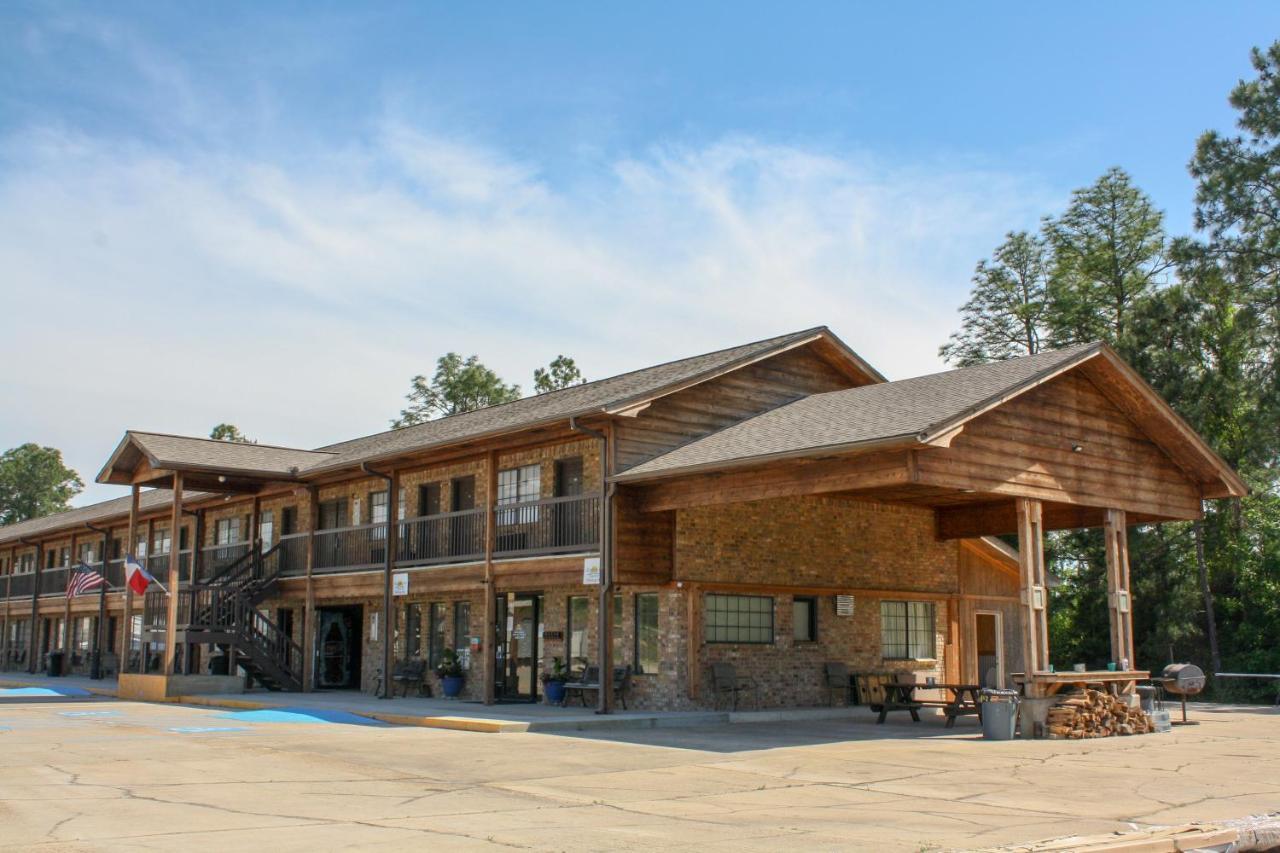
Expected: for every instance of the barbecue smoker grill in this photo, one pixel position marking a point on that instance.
(1182, 680)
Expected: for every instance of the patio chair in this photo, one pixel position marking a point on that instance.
(836, 677)
(725, 681)
(410, 673)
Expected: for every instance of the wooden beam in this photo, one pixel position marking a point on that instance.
(1000, 518)
(1119, 598)
(175, 579)
(309, 602)
(804, 477)
(1034, 590)
(489, 664)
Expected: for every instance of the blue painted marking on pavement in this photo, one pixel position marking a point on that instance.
(89, 713)
(199, 730)
(43, 691)
(301, 715)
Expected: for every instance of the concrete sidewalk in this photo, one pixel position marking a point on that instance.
(463, 715)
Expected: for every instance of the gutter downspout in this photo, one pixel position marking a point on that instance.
(604, 634)
(388, 654)
(95, 666)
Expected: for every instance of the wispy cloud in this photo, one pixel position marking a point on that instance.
(174, 287)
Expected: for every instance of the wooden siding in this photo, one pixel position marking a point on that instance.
(1025, 447)
(645, 542)
(684, 416)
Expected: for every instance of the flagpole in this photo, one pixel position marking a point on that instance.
(95, 667)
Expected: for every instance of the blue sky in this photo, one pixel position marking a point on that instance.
(275, 214)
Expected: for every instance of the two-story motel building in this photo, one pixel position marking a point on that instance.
(710, 509)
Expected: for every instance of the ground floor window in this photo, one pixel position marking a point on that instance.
(804, 619)
(617, 630)
(413, 630)
(739, 619)
(438, 632)
(907, 630)
(81, 634)
(462, 628)
(576, 633)
(647, 633)
(135, 633)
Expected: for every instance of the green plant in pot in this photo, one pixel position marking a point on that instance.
(451, 673)
(553, 681)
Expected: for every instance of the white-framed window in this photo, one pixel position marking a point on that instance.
(87, 553)
(226, 531)
(267, 529)
(162, 543)
(907, 630)
(739, 618)
(519, 486)
(378, 515)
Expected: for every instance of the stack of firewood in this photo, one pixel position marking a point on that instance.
(1092, 713)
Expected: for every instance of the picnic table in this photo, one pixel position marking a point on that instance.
(901, 696)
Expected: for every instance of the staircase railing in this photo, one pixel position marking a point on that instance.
(270, 647)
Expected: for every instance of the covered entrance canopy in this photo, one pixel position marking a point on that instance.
(1064, 439)
(193, 467)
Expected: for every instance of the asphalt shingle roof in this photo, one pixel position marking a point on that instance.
(579, 400)
(870, 413)
(183, 451)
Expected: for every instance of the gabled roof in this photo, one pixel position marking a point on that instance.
(601, 396)
(911, 412)
(184, 453)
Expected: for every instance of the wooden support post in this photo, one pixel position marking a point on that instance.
(66, 609)
(489, 638)
(1034, 609)
(175, 580)
(33, 642)
(130, 549)
(953, 666)
(8, 587)
(388, 598)
(309, 603)
(1119, 598)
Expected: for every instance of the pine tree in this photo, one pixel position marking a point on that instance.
(1004, 317)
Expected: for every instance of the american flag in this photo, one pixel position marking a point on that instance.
(83, 579)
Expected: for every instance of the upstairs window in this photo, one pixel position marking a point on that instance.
(519, 486)
(226, 531)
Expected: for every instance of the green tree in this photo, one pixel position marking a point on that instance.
(34, 483)
(1004, 317)
(459, 385)
(1109, 251)
(562, 372)
(229, 432)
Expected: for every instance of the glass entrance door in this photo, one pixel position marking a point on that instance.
(520, 653)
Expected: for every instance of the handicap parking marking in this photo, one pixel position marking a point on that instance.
(60, 692)
(200, 730)
(302, 715)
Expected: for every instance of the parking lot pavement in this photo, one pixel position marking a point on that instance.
(81, 775)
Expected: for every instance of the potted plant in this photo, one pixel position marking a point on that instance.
(553, 681)
(451, 673)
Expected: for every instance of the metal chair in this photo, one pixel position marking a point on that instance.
(836, 677)
(725, 681)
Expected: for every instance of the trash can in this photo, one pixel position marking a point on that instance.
(53, 661)
(999, 713)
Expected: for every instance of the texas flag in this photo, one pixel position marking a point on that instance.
(137, 577)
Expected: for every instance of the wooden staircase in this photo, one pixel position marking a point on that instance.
(222, 611)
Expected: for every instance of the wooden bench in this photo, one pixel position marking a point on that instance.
(591, 681)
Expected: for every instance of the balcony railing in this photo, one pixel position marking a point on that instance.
(451, 537)
(215, 558)
(54, 581)
(545, 527)
(293, 555)
(20, 586)
(550, 526)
